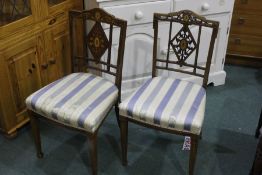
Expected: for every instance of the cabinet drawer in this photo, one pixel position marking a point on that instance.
(245, 45)
(204, 7)
(246, 24)
(139, 13)
(248, 6)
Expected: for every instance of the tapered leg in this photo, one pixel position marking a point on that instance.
(124, 133)
(36, 134)
(117, 115)
(193, 153)
(92, 147)
(200, 136)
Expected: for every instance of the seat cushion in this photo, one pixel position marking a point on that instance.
(169, 103)
(80, 100)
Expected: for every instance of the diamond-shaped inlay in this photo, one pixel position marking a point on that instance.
(183, 44)
(97, 41)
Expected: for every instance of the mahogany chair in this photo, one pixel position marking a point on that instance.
(82, 100)
(168, 104)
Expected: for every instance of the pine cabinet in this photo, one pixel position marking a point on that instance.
(34, 51)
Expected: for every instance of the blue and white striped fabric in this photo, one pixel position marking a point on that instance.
(80, 100)
(170, 103)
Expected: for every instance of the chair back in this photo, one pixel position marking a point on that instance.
(185, 43)
(93, 47)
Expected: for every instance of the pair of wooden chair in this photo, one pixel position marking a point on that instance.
(82, 100)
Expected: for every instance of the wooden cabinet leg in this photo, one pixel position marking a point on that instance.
(36, 133)
(11, 135)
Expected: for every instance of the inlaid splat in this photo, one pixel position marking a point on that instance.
(97, 41)
(183, 44)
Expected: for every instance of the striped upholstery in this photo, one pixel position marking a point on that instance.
(170, 103)
(80, 100)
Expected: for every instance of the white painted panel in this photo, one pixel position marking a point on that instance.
(139, 13)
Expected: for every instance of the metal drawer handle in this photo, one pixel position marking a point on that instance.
(241, 21)
(139, 15)
(205, 6)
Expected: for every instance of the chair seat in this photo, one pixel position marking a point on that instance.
(79, 100)
(169, 103)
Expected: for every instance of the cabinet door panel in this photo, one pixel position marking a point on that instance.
(138, 56)
(221, 42)
(24, 73)
(62, 48)
(57, 53)
(137, 64)
(48, 73)
(138, 59)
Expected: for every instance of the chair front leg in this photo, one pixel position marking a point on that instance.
(92, 148)
(193, 153)
(36, 133)
(124, 137)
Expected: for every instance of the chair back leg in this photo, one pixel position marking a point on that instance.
(124, 135)
(92, 148)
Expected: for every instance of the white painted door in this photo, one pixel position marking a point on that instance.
(137, 67)
(137, 64)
